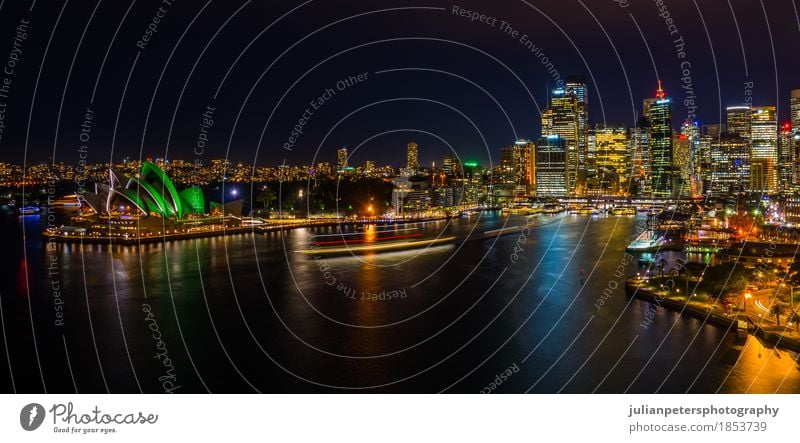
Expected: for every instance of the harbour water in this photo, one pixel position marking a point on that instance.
(246, 313)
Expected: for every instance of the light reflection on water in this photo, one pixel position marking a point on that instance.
(251, 301)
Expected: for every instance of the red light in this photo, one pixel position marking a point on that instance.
(660, 92)
(787, 126)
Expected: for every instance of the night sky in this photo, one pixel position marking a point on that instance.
(448, 83)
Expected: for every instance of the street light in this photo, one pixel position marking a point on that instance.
(747, 296)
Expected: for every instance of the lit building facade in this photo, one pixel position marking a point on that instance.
(730, 171)
(764, 149)
(412, 157)
(551, 167)
(659, 117)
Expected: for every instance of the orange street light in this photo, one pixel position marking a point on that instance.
(747, 296)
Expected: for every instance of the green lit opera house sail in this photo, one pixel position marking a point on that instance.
(150, 193)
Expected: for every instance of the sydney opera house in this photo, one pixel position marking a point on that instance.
(147, 205)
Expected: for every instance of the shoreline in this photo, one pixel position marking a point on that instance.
(223, 231)
(729, 324)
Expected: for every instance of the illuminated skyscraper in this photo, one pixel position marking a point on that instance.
(341, 158)
(739, 120)
(412, 157)
(639, 154)
(764, 149)
(730, 156)
(551, 167)
(577, 86)
(659, 117)
(787, 157)
(563, 122)
(517, 166)
(794, 105)
(610, 146)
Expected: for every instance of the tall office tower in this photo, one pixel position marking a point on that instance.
(551, 167)
(523, 164)
(341, 158)
(763, 149)
(787, 158)
(639, 154)
(703, 163)
(412, 158)
(681, 154)
(794, 105)
(659, 117)
(547, 122)
(739, 120)
(714, 130)
(691, 130)
(730, 155)
(564, 123)
(369, 166)
(451, 165)
(577, 86)
(611, 157)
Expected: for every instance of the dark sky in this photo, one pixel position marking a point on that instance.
(456, 84)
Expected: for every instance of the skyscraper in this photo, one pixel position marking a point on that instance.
(517, 166)
(659, 117)
(341, 158)
(764, 149)
(787, 158)
(639, 154)
(794, 105)
(577, 86)
(564, 113)
(730, 155)
(739, 120)
(610, 146)
(412, 157)
(551, 167)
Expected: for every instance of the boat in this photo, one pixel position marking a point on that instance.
(623, 211)
(553, 209)
(68, 201)
(587, 210)
(27, 210)
(647, 241)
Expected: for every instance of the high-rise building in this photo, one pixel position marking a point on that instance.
(412, 157)
(787, 158)
(730, 156)
(564, 114)
(794, 105)
(517, 166)
(659, 117)
(610, 150)
(763, 149)
(703, 163)
(714, 130)
(739, 120)
(551, 167)
(341, 158)
(369, 166)
(639, 163)
(451, 166)
(577, 86)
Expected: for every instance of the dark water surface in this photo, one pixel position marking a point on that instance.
(245, 313)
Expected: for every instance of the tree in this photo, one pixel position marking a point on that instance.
(266, 197)
(725, 279)
(794, 317)
(661, 265)
(777, 310)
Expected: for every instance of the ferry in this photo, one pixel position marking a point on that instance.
(553, 209)
(27, 210)
(646, 242)
(623, 211)
(68, 201)
(588, 210)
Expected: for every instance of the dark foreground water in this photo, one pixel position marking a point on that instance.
(245, 313)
